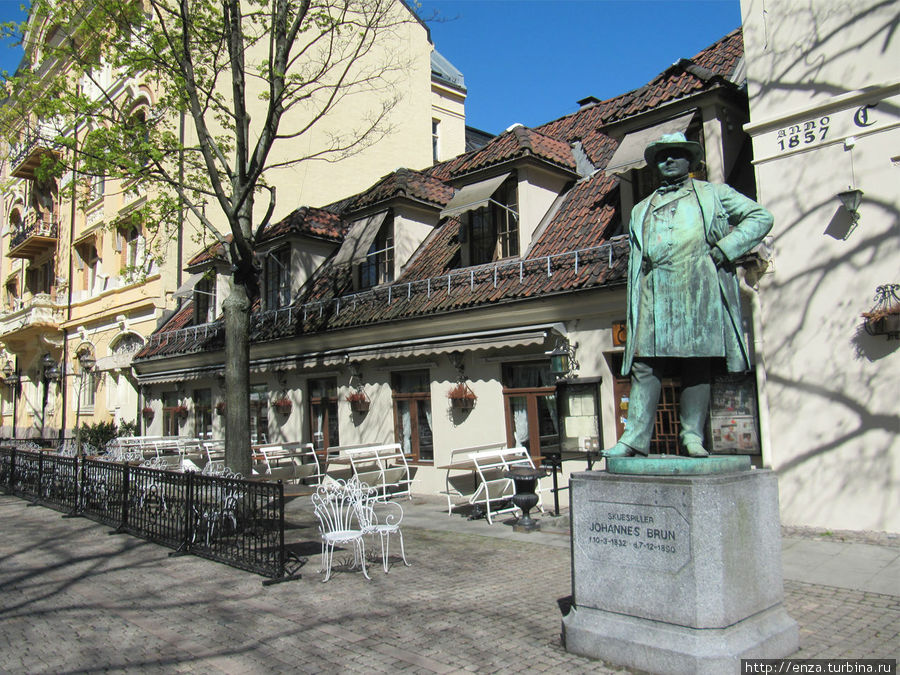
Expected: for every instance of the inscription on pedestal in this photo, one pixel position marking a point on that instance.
(635, 535)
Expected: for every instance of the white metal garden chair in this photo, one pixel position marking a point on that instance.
(338, 506)
(383, 518)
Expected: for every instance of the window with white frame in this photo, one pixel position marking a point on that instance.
(492, 231)
(205, 300)
(130, 247)
(436, 140)
(378, 265)
(96, 187)
(87, 390)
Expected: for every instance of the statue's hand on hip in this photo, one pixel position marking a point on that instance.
(718, 257)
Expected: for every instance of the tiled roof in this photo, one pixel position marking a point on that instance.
(309, 221)
(180, 336)
(573, 252)
(215, 251)
(413, 185)
(512, 144)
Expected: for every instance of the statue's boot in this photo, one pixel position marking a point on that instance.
(620, 450)
(696, 450)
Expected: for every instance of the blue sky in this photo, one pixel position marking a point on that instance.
(529, 61)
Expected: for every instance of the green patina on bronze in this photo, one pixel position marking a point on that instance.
(672, 465)
(683, 302)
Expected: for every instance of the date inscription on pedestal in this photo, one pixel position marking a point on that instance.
(638, 535)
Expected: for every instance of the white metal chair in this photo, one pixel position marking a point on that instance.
(338, 506)
(383, 518)
(495, 489)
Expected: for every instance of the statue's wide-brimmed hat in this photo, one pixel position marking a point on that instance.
(675, 140)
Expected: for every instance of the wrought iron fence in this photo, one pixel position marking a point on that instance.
(229, 520)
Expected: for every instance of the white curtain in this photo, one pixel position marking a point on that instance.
(520, 419)
(406, 428)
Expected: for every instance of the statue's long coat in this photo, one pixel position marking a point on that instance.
(732, 222)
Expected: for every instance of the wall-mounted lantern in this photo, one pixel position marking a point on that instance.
(562, 359)
(851, 199)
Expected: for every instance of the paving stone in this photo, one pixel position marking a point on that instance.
(73, 598)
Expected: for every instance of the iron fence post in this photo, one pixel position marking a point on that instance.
(185, 545)
(126, 494)
(280, 529)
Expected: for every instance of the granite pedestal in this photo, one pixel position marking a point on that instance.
(677, 574)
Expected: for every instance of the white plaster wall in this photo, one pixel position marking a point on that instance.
(409, 233)
(448, 107)
(306, 258)
(832, 388)
(536, 192)
(803, 53)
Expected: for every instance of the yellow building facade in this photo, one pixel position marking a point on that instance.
(81, 278)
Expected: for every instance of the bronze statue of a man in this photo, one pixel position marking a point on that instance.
(683, 307)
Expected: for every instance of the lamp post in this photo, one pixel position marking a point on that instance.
(50, 372)
(11, 377)
(87, 361)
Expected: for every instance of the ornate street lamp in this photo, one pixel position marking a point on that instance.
(87, 362)
(51, 373)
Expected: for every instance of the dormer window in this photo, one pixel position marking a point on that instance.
(205, 301)
(278, 278)
(493, 230)
(489, 220)
(369, 247)
(378, 265)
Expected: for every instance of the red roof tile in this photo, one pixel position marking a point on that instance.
(406, 183)
(309, 221)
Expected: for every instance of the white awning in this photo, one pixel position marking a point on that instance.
(186, 290)
(504, 338)
(474, 196)
(359, 238)
(630, 153)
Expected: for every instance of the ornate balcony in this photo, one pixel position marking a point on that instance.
(39, 232)
(26, 156)
(36, 320)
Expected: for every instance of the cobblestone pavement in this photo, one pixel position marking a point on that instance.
(74, 599)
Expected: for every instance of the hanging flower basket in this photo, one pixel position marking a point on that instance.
(358, 400)
(462, 397)
(884, 317)
(180, 411)
(220, 408)
(147, 412)
(283, 405)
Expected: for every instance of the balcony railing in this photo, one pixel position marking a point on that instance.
(26, 156)
(39, 315)
(39, 231)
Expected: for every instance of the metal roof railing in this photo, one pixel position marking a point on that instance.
(470, 277)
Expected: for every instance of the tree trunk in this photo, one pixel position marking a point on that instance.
(237, 380)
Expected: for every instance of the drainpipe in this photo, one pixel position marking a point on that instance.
(752, 295)
(64, 389)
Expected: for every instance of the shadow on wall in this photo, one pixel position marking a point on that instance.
(872, 347)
